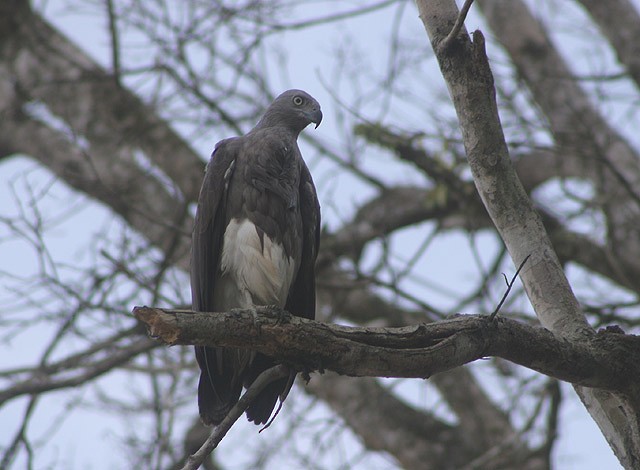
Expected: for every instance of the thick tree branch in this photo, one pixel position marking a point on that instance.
(130, 191)
(426, 440)
(608, 360)
(394, 209)
(481, 424)
(52, 70)
(367, 407)
(578, 127)
(455, 204)
(470, 81)
(619, 21)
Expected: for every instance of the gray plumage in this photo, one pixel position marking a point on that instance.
(255, 242)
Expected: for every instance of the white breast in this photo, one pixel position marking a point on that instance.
(252, 275)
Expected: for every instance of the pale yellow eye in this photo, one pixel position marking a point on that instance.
(297, 100)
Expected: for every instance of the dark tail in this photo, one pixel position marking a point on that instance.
(222, 377)
(261, 408)
(219, 387)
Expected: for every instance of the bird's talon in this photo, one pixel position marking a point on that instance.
(256, 322)
(282, 316)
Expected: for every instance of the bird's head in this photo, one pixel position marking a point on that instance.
(295, 109)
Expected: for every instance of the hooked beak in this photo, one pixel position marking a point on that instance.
(315, 116)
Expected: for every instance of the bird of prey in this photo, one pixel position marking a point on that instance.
(255, 242)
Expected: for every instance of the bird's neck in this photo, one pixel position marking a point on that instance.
(275, 120)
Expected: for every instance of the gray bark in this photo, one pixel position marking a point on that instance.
(466, 70)
(578, 128)
(619, 22)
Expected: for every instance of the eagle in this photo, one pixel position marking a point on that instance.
(255, 241)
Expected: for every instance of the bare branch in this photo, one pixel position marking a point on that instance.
(219, 431)
(578, 127)
(509, 286)
(115, 41)
(417, 351)
(39, 383)
(446, 42)
(619, 21)
(471, 85)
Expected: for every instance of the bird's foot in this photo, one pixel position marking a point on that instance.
(256, 320)
(281, 316)
(305, 373)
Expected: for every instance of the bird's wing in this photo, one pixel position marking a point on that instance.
(302, 295)
(217, 389)
(209, 226)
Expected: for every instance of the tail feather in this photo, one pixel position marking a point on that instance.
(219, 387)
(261, 408)
(224, 372)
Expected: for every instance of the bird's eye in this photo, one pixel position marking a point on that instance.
(297, 100)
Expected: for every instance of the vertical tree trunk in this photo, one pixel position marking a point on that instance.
(466, 70)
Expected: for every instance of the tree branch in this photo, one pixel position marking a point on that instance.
(608, 360)
(470, 81)
(509, 286)
(446, 42)
(221, 430)
(52, 70)
(578, 127)
(619, 21)
(68, 374)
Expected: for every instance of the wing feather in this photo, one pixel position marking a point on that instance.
(302, 296)
(216, 392)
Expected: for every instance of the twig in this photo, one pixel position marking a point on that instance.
(21, 436)
(509, 286)
(219, 431)
(332, 17)
(446, 42)
(115, 42)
